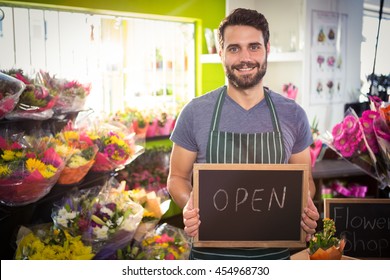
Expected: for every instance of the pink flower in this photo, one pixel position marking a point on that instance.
(3, 143)
(164, 239)
(340, 143)
(20, 77)
(350, 124)
(169, 256)
(50, 156)
(347, 150)
(338, 131)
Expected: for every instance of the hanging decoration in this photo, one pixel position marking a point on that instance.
(328, 55)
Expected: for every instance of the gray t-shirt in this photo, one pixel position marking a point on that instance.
(193, 125)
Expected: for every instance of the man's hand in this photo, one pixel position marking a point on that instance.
(309, 219)
(191, 217)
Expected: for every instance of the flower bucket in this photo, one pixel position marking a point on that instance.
(152, 129)
(103, 163)
(10, 91)
(332, 253)
(71, 176)
(166, 129)
(16, 192)
(140, 131)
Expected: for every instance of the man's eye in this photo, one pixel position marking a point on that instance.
(255, 47)
(233, 49)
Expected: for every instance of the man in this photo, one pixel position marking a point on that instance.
(212, 128)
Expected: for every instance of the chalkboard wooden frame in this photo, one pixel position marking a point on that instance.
(300, 171)
(359, 235)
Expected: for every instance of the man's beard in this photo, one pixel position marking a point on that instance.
(246, 81)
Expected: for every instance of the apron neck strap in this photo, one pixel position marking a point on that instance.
(221, 99)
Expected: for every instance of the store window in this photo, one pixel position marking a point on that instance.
(370, 29)
(128, 60)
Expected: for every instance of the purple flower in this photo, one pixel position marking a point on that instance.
(110, 150)
(111, 206)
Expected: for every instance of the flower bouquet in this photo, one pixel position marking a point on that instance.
(10, 91)
(116, 146)
(71, 94)
(107, 220)
(49, 243)
(35, 102)
(165, 242)
(73, 212)
(28, 169)
(151, 202)
(324, 245)
(81, 159)
(364, 142)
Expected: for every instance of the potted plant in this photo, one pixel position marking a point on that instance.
(324, 245)
(140, 123)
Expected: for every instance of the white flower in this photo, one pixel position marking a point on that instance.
(101, 232)
(63, 217)
(119, 221)
(107, 211)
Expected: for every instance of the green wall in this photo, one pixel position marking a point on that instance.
(208, 14)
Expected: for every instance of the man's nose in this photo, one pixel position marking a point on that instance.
(245, 55)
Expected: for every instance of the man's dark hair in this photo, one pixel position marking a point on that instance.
(248, 17)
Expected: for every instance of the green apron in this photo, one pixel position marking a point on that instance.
(230, 147)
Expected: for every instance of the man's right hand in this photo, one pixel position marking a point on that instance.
(191, 217)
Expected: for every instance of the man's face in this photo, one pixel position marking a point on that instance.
(244, 56)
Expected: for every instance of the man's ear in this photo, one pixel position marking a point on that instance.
(268, 47)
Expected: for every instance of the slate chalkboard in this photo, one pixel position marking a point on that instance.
(250, 205)
(365, 223)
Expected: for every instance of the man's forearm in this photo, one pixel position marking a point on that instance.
(180, 190)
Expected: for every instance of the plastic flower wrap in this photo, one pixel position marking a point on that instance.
(356, 140)
(45, 242)
(35, 102)
(81, 158)
(165, 242)
(324, 245)
(151, 202)
(10, 91)
(71, 94)
(107, 220)
(73, 212)
(29, 168)
(116, 145)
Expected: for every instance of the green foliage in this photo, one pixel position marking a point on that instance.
(325, 238)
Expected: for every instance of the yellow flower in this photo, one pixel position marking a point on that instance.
(71, 136)
(77, 161)
(8, 155)
(4, 170)
(19, 154)
(149, 214)
(93, 136)
(33, 164)
(72, 248)
(63, 150)
(50, 171)
(47, 171)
